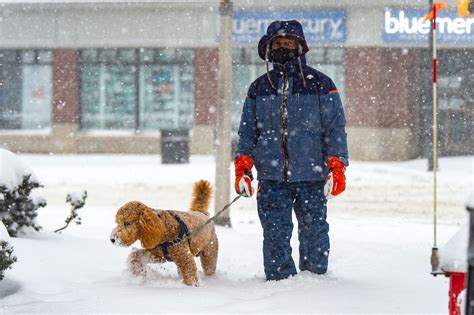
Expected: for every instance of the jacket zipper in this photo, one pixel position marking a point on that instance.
(284, 125)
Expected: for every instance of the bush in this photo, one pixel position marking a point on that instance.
(77, 201)
(17, 208)
(6, 257)
(6, 251)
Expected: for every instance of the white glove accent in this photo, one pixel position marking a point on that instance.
(245, 187)
(328, 186)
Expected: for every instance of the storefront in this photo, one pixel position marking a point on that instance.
(121, 73)
(455, 74)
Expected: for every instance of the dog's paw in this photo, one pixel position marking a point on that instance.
(137, 262)
(191, 282)
(137, 271)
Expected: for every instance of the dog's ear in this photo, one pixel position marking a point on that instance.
(151, 229)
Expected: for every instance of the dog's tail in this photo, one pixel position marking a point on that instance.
(202, 192)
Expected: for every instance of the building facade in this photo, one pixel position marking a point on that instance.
(108, 77)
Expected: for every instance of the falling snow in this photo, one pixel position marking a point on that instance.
(99, 95)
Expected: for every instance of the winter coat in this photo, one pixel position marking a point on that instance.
(290, 141)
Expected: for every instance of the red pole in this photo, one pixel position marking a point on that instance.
(434, 44)
(434, 255)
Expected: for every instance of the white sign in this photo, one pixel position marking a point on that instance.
(319, 26)
(408, 26)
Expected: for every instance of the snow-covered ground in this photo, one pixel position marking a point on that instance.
(381, 240)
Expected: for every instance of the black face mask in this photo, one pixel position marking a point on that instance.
(282, 55)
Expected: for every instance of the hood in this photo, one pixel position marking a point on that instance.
(282, 28)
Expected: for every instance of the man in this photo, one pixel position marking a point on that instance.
(293, 129)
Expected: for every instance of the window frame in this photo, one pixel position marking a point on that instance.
(157, 56)
(16, 59)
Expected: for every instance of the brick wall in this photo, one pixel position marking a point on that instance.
(380, 87)
(205, 76)
(66, 86)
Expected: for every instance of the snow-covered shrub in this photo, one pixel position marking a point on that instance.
(77, 201)
(6, 251)
(17, 208)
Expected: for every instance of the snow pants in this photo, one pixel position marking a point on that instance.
(275, 201)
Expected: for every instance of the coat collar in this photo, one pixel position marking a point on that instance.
(292, 67)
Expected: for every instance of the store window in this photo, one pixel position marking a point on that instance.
(137, 89)
(25, 89)
(456, 101)
(167, 89)
(247, 66)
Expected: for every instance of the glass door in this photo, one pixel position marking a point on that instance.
(456, 102)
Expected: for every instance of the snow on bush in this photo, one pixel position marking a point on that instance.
(4, 233)
(77, 201)
(18, 209)
(6, 251)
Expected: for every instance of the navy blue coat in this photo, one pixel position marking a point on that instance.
(315, 123)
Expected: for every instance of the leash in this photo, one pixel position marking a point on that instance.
(187, 237)
(212, 219)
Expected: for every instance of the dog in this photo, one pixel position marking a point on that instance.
(164, 235)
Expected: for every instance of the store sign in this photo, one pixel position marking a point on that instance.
(318, 26)
(408, 26)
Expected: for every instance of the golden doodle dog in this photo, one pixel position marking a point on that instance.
(163, 235)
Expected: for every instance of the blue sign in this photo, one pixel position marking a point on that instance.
(407, 26)
(318, 26)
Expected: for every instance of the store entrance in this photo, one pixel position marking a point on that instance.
(456, 101)
(455, 77)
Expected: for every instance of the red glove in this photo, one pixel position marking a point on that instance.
(243, 175)
(336, 181)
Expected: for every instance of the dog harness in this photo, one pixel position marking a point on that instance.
(183, 232)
